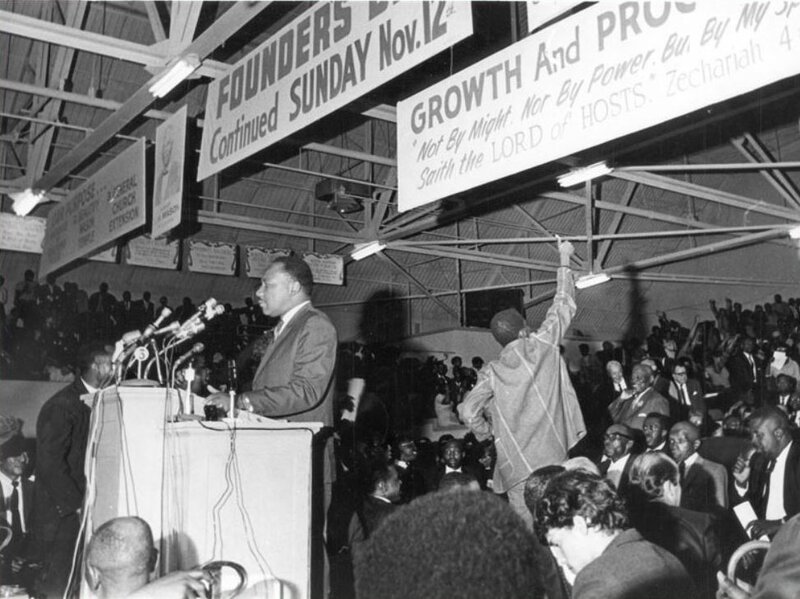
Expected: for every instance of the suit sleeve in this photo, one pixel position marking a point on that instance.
(312, 370)
(54, 438)
(475, 405)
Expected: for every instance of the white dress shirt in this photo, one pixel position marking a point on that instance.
(286, 318)
(775, 509)
(8, 488)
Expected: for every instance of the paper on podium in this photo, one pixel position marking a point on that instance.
(746, 514)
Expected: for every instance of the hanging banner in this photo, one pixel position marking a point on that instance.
(212, 257)
(21, 233)
(258, 259)
(540, 12)
(109, 255)
(607, 71)
(332, 54)
(104, 208)
(327, 269)
(168, 180)
(153, 253)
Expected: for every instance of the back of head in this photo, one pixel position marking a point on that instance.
(121, 553)
(650, 471)
(506, 326)
(537, 483)
(440, 546)
(458, 481)
(87, 353)
(299, 270)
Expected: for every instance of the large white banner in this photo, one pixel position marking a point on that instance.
(327, 57)
(21, 233)
(607, 71)
(168, 179)
(104, 208)
(540, 12)
(153, 253)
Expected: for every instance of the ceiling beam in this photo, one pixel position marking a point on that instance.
(616, 221)
(706, 193)
(154, 56)
(475, 256)
(156, 24)
(217, 33)
(755, 152)
(182, 25)
(416, 282)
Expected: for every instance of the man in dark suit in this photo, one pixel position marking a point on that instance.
(587, 526)
(62, 433)
(745, 375)
(385, 489)
(656, 432)
(452, 460)
(760, 478)
(16, 499)
(294, 379)
(633, 406)
(687, 396)
(704, 484)
(411, 475)
(616, 464)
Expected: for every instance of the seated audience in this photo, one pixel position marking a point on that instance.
(617, 450)
(16, 498)
(633, 406)
(120, 558)
(785, 394)
(587, 526)
(704, 484)
(686, 395)
(775, 467)
(445, 545)
(656, 514)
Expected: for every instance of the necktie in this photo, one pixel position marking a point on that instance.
(770, 468)
(681, 472)
(685, 394)
(13, 506)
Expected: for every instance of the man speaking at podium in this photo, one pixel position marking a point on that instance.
(294, 380)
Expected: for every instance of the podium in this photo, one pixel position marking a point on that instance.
(236, 490)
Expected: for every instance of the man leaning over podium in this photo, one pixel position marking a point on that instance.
(294, 379)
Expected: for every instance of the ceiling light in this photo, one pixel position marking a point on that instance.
(25, 201)
(586, 173)
(176, 73)
(362, 250)
(795, 233)
(591, 280)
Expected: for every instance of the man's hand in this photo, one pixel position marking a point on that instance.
(728, 589)
(566, 249)
(221, 400)
(178, 585)
(758, 528)
(741, 470)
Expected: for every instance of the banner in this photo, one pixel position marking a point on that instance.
(153, 253)
(109, 255)
(327, 269)
(212, 257)
(332, 54)
(168, 179)
(21, 233)
(104, 208)
(540, 12)
(258, 259)
(607, 71)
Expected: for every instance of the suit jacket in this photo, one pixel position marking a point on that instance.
(696, 399)
(413, 481)
(368, 518)
(438, 473)
(294, 379)
(741, 376)
(633, 411)
(705, 486)
(688, 535)
(26, 488)
(633, 568)
(624, 479)
(791, 483)
(62, 432)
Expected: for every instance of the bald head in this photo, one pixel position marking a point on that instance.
(687, 428)
(506, 326)
(121, 556)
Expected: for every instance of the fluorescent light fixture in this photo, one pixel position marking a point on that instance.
(795, 233)
(591, 280)
(362, 250)
(580, 175)
(174, 74)
(27, 200)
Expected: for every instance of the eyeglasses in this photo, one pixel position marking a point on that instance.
(678, 373)
(615, 437)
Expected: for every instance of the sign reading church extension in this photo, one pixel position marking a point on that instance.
(607, 71)
(329, 56)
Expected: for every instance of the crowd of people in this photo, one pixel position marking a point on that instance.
(619, 475)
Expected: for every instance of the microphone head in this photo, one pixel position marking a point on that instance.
(165, 312)
(130, 337)
(197, 348)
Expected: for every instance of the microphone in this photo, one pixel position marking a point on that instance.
(124, 342)
(170, 328)
(202, 313)
(196, 349)
(151, 328)
(193, 328)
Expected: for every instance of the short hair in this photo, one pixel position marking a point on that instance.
(453, 481)
(646, 371)
(87, 354)
(506, 325)
(665, 420)
(122, 547)
(613, 364)
(381, 472)
(298, 269)
(537, 483)
(580, 462)
(789, 379)
(579, 493)
(451, 441)
(773, 413)
(690, 430)
(649, 471)
(475, 546)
